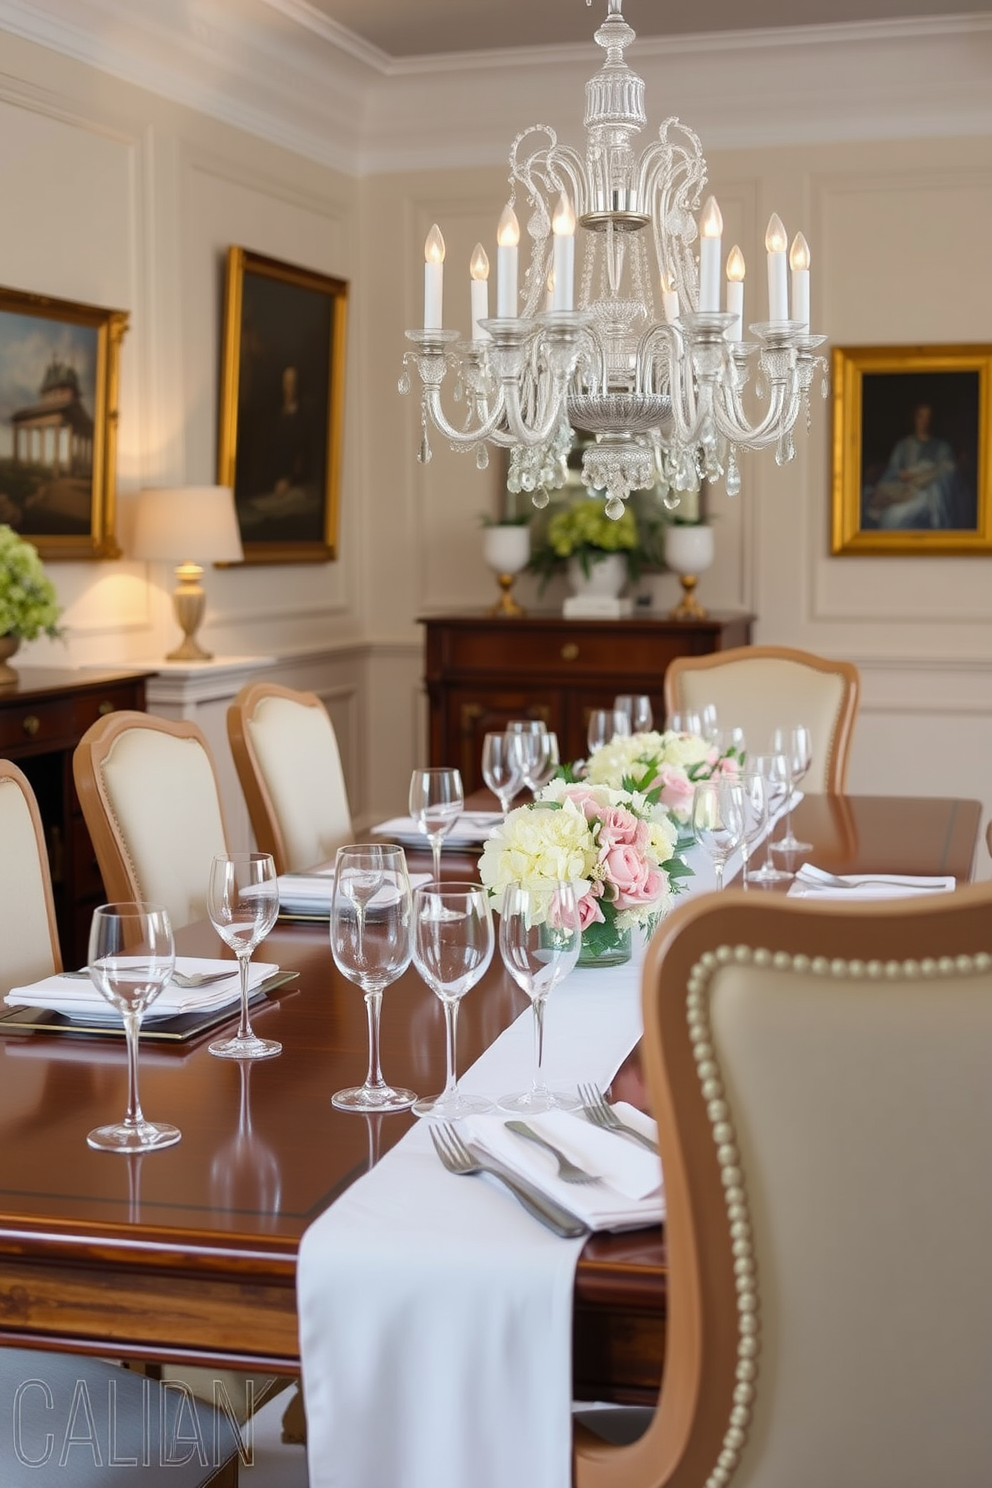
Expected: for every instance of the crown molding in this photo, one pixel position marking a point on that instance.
(281, 71)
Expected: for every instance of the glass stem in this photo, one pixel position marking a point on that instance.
(718, 866)
(744, 857)
(133, 1117)
(244, 1027)
(373, 1006)
(540, 1088)
(450, 1045)
(436, 851)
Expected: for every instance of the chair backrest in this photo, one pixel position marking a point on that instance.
(820, 1077)
(286, 755)
(29, 942)
(149, 793)
(761, 688)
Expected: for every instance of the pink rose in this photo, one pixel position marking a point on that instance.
(676, 788)
(626, 871)
(585, 800)
(619, 826)
(590, 912)
(730, 766)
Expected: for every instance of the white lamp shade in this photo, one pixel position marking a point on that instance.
(187, 524)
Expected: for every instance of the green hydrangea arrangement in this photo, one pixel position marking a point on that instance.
(582, 530)
(28, 602)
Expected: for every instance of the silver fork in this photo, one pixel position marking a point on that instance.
(458, 1158)
(188, 981)
(834, 881)
(568, 1171)
(597, 1110)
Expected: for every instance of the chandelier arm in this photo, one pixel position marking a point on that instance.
(733, 423)
(431, 400)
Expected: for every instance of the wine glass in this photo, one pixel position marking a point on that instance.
(797, 747)
(371, 913)
(542, 762)
(604, 726)
(755, 795)
(636, 708)
(131, 958)
(503, 767)
(774, 769)
(243, 905)
(539, 939)
(436, 802)
(718, 820)
(708, 722)
(684, 723)
(453, 944)
(730, 741)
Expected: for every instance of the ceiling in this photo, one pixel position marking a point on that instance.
(410, 28)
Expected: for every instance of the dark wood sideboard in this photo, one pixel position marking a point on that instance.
(481, 671)
(42, 718)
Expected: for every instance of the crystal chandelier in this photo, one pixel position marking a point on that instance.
(662, 394)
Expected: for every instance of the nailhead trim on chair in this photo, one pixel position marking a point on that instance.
(728, 1156)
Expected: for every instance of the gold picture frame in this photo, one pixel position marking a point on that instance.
(912, 464)
(59, 380)
(282, 407)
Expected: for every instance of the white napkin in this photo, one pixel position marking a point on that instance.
(471, 829)
(629, 1195)
(813, 882)
(310, 893)
(77, 997)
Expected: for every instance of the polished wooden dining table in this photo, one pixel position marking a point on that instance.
(189, 1254)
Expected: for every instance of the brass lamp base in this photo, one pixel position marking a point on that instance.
(688, 607)
(506, 605)
(189, 601)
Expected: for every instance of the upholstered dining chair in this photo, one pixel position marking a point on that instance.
(286, 755)
(761, 688)
(29, 940)
(150, 797)
(820, 1079)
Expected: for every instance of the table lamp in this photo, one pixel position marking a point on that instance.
(188, 526)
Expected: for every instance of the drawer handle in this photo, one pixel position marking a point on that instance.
(31, 725)
(105, 707)
(569, 651)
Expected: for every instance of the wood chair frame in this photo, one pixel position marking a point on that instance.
(17, 778)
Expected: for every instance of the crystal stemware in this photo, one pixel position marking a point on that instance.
(243, 905)
(636, 708)
(604, 726)
(718, 820)
(436, 802)
(371, 942)
(503, 766)
(684, 723)
(797, 747)
(754, 790)
(539, 940)
(453, 944)
(131, 958)
(774, 769)
(542, 761)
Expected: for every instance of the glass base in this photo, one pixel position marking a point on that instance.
(369, 1098)
(535, 1101)
(144, 1137)
(452, 1109)
(245, 1048)
(766, 874)
(790, 845)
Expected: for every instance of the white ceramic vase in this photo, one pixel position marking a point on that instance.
(506, 551)
(605, 578)
(688, 552)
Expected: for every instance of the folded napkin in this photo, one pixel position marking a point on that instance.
(310, 893)
(471, 829)
(76, 997)
(630, 1193)
(811, 882)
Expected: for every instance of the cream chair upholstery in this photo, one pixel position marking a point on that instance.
(29, 943)
(761, 688)
(287, 759)
(820, 1076)
(150, 797)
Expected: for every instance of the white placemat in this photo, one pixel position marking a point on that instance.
(78, 997)
(812, 882)
(470, 830)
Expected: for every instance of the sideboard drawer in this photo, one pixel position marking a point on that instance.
(570, 648)
(90, 706)
(36, 724)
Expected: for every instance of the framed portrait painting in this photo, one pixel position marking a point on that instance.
(282, 407)
(912, 465)
(59, 374)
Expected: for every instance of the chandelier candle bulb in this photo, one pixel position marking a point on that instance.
(777, 241)
(735, 293)
(799, 263)
(507, 238)
(563, 228)
(479, 270)
(710, 228)
(433, 279)
(669, 300)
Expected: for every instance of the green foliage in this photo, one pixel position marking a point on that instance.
(28, 603)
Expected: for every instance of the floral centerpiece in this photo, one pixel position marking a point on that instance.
(583, 531)
(664, 765)
(617, 847)
(28, 602)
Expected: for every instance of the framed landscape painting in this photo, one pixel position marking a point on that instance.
(59, 374)
(912, 466)
(282, 407)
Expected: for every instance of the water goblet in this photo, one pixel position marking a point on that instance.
(539, 939)
(541, 762)
(243, 905)
(708, 722)
(436, 802)
(636, 708)
(797, 747)
(774, 769)
(453, 944)
(718, 820)
(530, 734)
(131, 958)
(371, 915)
(755, 796)
(604, 726)
(503, 766)
(730, 741)
(684, 723)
